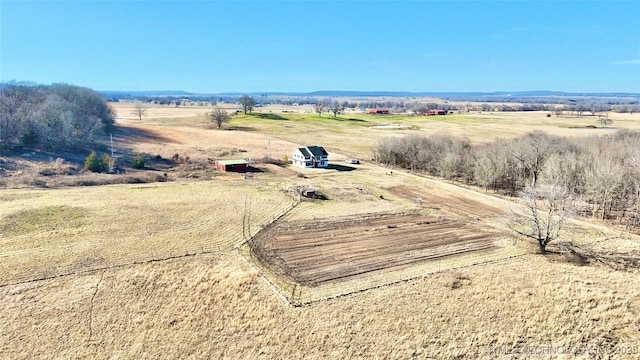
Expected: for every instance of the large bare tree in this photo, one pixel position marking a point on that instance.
(335, 108)
(320, 107)
(544, 211)
(247, 103)
(139, 110)
(219, 116)
(533, 151)
(604, 121)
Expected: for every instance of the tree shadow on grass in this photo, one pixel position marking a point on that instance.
(240, 128)
(134, 135)
(340, 118)
(269, 116)
(583, 255)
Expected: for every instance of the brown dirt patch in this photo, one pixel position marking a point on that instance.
(328, 251)
(459, 206)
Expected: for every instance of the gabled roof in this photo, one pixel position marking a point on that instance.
(317, 150)
(304, 152)
(232, 162)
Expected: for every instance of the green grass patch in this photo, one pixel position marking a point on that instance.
(291, 124)
(49, 218)
(269, 116)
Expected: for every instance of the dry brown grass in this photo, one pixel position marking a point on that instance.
(110, 298)
(108, 226)
(345, 137)
(125, 110)
(216, 306)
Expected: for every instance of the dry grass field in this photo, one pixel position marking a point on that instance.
(46, 233)
(161, 270)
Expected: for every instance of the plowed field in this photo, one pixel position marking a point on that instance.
(315, 253)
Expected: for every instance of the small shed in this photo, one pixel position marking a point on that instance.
(239, 165)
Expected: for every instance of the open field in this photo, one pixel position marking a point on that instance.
(46, 233)
(309, 258)
(353, 134)
(162, 270)
(216, 306)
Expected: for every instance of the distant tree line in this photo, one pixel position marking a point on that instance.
(54, 117)
(558, 104)
(603, 171)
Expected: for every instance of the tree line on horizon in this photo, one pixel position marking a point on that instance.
(558, 104)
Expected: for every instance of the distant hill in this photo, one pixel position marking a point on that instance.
(343, 93)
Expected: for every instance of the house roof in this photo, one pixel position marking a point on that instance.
(317, 150)
(304, 152)
(233, 162)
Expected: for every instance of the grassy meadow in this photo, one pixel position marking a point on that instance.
(353, 133)
(46, 233)
(151, 270)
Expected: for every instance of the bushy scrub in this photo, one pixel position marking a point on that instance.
(96, 164)
(92, 163)
(138, 162)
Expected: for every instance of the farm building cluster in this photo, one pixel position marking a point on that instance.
(305, 157)
(383, 111)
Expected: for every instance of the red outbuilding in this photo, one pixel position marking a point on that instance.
(232, 165)
(378, 111)
(436, 112)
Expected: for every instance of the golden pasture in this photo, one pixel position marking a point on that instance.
(157, 270)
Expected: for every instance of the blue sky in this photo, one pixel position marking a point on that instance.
(291, 46)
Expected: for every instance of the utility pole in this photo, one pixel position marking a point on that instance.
(111, 138)
(112, 161)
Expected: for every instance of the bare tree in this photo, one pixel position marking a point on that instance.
(247, 103)
(545, 210)
(557, 111)
(633, 198)
(335, 108)
(604, 183)
(485, 171)
(219, 116)
(604, 121)
(532, 152)
(320, 107)
(139, 110)
(566, 170)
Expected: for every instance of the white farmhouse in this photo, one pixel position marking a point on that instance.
(311, 157)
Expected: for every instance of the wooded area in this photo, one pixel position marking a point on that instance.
(602, 172)
(55, 117)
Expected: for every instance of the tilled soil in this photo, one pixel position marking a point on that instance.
(332, 250)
